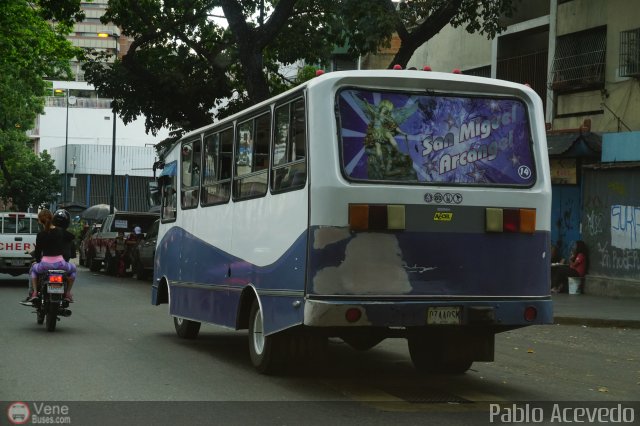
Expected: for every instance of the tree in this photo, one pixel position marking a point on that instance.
(30, 49)
(27, 179)
(183, 62)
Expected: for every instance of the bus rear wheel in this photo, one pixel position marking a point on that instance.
(185, 328)
(431, 354)
(266, 351)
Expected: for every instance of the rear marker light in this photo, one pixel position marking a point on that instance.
(352, 315)
(376, 217)
(530, 313)
(494, 220)
(395, 217)
(528, 221)
(359, 217)
(510, 220)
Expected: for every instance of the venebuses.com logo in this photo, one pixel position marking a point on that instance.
(20, 413)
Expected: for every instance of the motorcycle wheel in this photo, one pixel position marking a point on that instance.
(52, 317)
(40, 316)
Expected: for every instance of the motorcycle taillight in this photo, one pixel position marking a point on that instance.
(56, 279)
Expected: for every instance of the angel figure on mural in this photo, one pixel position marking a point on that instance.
(385, 160)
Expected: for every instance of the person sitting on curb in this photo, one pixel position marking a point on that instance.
(577, 267)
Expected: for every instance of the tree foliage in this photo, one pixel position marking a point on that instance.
(30, 49)
(27, 179)
(188, 55)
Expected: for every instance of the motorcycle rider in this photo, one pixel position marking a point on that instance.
(53, 243)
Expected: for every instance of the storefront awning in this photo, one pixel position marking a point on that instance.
(574, 144)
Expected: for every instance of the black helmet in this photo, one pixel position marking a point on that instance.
(61, 218)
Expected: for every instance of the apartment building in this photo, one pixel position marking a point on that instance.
(583, 58)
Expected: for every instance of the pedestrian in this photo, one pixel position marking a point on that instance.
(121, 248)
(577, 267)
(132, 241)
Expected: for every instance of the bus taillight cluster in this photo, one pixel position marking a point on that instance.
(376, 217)
(511, 220)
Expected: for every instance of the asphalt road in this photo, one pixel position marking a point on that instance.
(117, 347)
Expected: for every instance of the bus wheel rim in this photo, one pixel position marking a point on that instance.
(258, 333)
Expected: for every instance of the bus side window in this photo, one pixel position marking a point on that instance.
(218, 149)
(252, 157)
(190, 169)
(289, 167)
(169, 199)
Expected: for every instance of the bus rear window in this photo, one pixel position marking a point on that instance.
(423, 138)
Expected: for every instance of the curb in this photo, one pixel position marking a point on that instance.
(597, 322)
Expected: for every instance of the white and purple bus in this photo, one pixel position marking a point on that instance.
(362, 205)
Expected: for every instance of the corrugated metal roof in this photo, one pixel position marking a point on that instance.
(574, 144)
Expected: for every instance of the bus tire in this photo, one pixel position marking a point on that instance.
(266, 352)
(185, 328)
(433, 356)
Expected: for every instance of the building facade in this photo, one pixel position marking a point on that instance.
(583, 58)
(77, 129)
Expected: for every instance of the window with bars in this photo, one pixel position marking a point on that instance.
(629, 65)
(579, 62)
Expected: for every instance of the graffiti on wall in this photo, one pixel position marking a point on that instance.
(618, 259)
(594, 223)
(611, 222)
(625, 221)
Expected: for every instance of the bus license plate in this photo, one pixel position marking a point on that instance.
(444, 315)
(55, 288)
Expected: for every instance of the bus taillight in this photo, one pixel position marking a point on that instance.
(530, 313)
(510, 220)
(376, 217)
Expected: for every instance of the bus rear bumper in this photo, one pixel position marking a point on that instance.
(509, 313)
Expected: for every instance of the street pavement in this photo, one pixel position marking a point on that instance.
(596, 311)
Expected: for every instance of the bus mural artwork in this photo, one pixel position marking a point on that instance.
(362, 205)
(448, 139)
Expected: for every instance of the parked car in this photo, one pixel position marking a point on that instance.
(144, 252)
(102, 247)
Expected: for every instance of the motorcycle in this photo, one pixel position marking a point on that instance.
(51, 305)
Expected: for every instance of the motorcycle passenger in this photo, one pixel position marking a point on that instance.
(51, 244)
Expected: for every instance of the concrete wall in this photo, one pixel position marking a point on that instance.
(611, 228)
(453, 48)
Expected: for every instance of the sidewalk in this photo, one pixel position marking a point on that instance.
(596, 311)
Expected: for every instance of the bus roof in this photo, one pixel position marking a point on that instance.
(452, 81)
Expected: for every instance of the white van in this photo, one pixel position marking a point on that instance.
(18, 233)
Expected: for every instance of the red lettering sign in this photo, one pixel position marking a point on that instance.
(18, 246)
